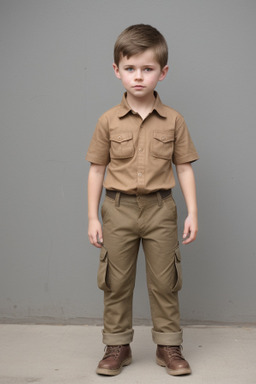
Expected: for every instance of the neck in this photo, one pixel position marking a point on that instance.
(141, 105)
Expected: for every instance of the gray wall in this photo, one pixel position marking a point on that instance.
(56, 80)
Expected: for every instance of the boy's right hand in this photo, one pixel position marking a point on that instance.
(95, 233)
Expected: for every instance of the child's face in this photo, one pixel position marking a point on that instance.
(140, 73)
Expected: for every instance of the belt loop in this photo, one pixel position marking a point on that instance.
(117, 199)
(159, 199)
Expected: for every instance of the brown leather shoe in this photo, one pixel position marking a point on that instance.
(171, 358)
(116, 357)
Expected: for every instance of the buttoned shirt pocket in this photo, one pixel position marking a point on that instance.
(121, 145)
(163, 144)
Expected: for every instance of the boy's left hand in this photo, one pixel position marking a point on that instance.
(190, 229)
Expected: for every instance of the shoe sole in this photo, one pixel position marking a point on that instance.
(113, 372)
(176, 372)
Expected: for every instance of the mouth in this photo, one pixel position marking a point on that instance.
(138, 87)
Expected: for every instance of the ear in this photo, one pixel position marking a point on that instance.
(163, 73)
(116, 70)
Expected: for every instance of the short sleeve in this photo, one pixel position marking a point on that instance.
(98, 151)
(184, 149)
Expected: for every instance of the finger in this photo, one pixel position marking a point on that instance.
(94, 241)
(98, 245)
(97, 242)
(191, 237)
(187, 241)
(186, 231)
(100, 237)
(186, 238)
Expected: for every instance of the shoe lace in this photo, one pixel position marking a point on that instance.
(112, 351)
(174, 352)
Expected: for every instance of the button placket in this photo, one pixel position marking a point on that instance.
(141, 160)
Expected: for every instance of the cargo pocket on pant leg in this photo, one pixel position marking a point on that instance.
(103, 270)
(178, 271)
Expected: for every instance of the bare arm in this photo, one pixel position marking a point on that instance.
(188, 186)
(95, 182)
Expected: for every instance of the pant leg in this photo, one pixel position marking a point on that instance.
(121, 241)
(160, 243)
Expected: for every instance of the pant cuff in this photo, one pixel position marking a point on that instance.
(118, 338)
(162, 338)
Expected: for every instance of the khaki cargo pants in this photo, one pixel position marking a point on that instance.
(128, 220)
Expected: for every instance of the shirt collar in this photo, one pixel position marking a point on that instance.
(124, 107)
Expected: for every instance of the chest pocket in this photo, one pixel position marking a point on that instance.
(163, 144)
(121, 145)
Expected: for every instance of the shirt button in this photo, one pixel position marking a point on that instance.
(119, 137)
(140, 149)
(163, 137)
(139, 174)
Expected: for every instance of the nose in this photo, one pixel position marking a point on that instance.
(138, 75)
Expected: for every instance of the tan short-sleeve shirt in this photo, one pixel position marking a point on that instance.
(139, 153)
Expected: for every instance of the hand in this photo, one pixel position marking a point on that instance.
(190, 229)
(95, 233)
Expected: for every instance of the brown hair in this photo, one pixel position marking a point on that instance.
(137, 39)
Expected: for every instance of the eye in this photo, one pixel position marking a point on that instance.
(129, 69)
(148, 69)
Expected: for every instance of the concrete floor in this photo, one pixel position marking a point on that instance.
(69, 354)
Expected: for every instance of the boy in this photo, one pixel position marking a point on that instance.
(138, 140)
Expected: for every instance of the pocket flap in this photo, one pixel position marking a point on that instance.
(177, 262)
(178, 254)
(120, 137)
(164, 136)
(103, 254)
(102, 275)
